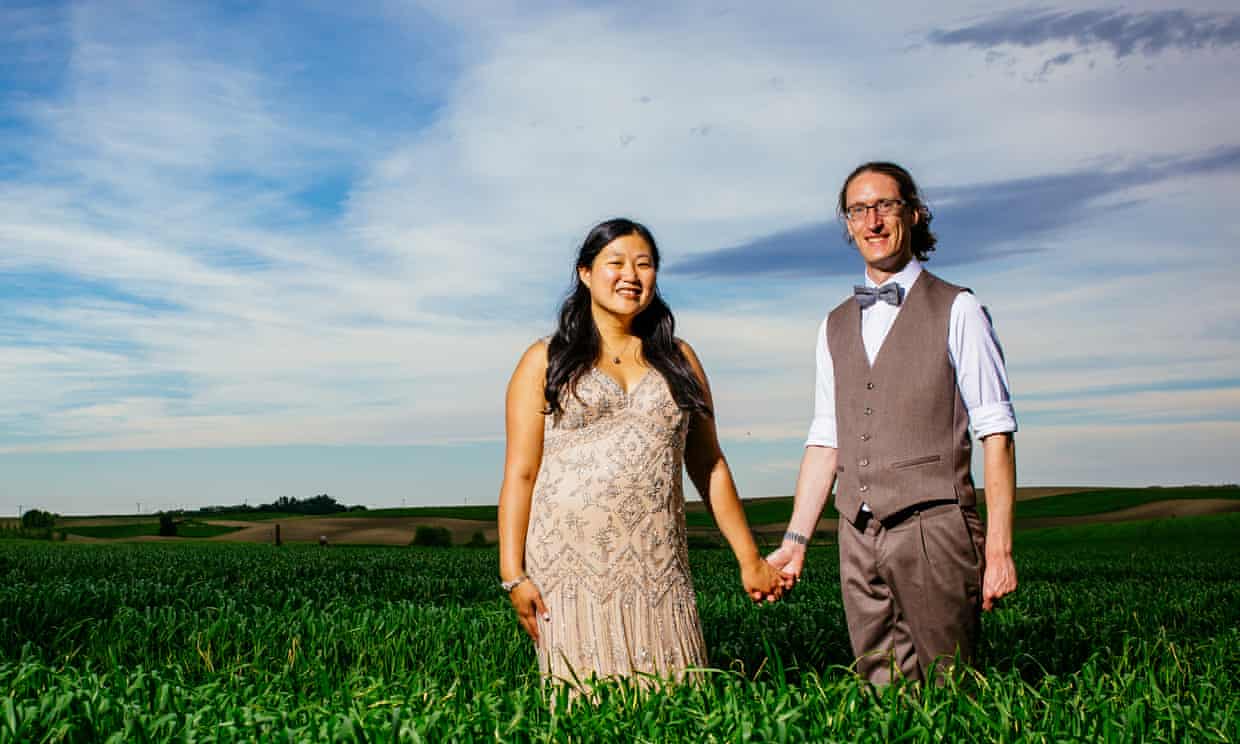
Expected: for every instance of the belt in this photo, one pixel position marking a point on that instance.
(895, 518)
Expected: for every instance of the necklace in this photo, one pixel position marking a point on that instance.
(615, 359)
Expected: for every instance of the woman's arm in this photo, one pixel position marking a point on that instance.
(709, 471)
(522, 457)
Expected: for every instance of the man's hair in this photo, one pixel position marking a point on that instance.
(922, 239)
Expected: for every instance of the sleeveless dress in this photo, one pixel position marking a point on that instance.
(606, 541)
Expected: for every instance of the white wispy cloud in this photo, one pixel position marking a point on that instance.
(171, 166)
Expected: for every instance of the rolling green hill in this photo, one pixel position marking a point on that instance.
(1114, 499)
(145, 529)
(778, 510)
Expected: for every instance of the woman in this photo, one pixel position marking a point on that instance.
(600, 418)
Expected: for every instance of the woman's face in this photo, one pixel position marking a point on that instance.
(621, 279)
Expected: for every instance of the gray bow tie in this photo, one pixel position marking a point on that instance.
(888, 293)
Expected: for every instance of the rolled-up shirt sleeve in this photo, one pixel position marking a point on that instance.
(822, 428)
(980, 370)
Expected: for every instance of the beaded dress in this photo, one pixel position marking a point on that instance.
(606, 542)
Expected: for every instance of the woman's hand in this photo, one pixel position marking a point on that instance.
(761, 580)
(528, 602)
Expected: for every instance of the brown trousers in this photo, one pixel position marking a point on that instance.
(912, 589)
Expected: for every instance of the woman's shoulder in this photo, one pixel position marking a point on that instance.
(535, 356)
(690, 355)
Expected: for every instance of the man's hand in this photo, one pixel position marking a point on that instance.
(789, 558)
(998, 580)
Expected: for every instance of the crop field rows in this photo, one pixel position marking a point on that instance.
(1124, 632)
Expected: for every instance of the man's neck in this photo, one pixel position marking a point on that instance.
(880, 274)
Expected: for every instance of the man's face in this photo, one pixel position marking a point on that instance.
(885, 243)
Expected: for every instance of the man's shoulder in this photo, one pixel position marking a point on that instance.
(845, 304)
(846, 312)
(964, 304)
(943, 293)
(940, 284)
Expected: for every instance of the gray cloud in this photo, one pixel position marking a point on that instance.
(1059, 60)
(978, 222)
(1125, 33)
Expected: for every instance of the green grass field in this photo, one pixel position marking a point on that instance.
(1118, 633)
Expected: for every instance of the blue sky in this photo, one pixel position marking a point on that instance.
(251, 250)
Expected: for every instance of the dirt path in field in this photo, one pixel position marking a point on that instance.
(82, 539)
(236, 522)
(1028, 493)
(356, 530)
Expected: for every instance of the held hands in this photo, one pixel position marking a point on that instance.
(789, 558)
(761, 580)
(528, 602)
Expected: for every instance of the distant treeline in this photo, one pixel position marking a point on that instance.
(320, 504)
(35, 524)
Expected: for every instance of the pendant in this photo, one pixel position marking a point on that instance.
(615, 360)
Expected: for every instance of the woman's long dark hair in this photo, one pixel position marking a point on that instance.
(575, 347)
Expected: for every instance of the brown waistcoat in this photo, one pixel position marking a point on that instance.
(902, 428)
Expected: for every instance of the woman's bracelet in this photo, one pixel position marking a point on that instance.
(508, 586)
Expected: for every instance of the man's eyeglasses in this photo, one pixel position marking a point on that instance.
(884, 207)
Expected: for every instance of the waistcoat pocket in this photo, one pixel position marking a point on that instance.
(902, 464)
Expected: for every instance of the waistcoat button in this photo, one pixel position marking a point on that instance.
(869, 386)
(865, 437)
(868, 410)
(864, 488)
(864, 462)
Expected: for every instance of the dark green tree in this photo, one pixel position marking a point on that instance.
(167, 525)
(37, 519)
(433, 537)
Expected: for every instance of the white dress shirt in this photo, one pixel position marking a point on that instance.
(971, 345)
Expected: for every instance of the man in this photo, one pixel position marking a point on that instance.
(904, 368)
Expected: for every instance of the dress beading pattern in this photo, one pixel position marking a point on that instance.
(606, 542)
